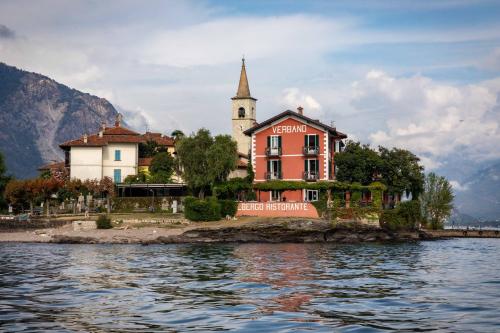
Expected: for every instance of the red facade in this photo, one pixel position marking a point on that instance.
(293, 147)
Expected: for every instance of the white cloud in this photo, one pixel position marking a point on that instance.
(458, 187)
(292, 98)
(431, 119)
(224, 40)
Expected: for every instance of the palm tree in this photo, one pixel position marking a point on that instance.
(177, 134)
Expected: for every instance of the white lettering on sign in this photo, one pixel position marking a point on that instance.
(289, 129)
(274, 206)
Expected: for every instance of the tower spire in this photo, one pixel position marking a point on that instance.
(243, 88)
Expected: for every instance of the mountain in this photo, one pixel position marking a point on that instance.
(38, 113)
(480, 193)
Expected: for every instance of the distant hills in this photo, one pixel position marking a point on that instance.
(38, 113)
(480, 196)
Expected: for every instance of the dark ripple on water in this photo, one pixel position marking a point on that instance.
(446, 286)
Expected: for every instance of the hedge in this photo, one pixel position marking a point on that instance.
(209, 209)
(228, 207)
(406, 216)
(103, 222)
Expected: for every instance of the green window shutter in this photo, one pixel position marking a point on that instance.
(316, 140)
(306, 169)
(268, 166)
(305, 141)
(268, 141)
(279, 166)
(279, 141)
(317, 166)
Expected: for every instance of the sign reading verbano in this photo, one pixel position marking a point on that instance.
(289, 129)
(277, 209)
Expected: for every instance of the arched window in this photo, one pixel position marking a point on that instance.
(241, 113)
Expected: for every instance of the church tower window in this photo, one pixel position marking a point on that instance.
(241, 112)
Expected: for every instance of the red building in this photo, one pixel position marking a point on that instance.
(293, 147)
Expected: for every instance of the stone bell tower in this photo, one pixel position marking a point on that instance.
(243, 111)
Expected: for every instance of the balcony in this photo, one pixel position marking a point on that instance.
(273, 175)
(311, 150)
(273, 152)
(311, 176)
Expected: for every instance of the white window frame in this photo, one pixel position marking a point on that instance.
(274, 141)
(313, 192)
(271, 195)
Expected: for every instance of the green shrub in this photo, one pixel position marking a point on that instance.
(202, 210)
(406, 216)
(103, 222)
(391, 220)
(228, 207)
(411, 213)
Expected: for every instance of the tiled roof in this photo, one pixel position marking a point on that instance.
(51, 166)
(118, 130)
(95, 140)
(160, 139)
(287, 113)
(146, 161)
(118, 134)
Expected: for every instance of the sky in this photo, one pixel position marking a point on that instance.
(420, 75)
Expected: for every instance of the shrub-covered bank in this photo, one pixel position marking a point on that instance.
(210, 209)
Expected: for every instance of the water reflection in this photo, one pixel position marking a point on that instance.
(446, 286)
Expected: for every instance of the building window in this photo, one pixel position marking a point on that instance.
(311, 169)
(311, 195)
(273, 145)
(275, 195)
(273, 169)
(241, 113)
(118, 155)
(311, 144)
(311, 140)
(117, 176)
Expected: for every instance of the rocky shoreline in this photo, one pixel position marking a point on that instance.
(267, 231)
(272, 230)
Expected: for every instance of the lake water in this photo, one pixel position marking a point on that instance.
(446, 286)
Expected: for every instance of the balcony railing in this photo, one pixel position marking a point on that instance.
(273, 152)
(311, 150)
(311, 176)
(273, 175)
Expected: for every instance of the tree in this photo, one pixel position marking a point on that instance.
(205, 160)
(150, 148)
(162, 167)
(436, 200)
(357, 163)
(401, 171)
(46, 188)
(222, 157)
(177, 134)
(15, 193)
(104, 188)
(107, 188)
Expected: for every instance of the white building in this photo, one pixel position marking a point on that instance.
(113, 152)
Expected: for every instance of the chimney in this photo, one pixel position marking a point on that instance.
(300, 110)
(103, 128)
(118, 120)
(85, 138)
